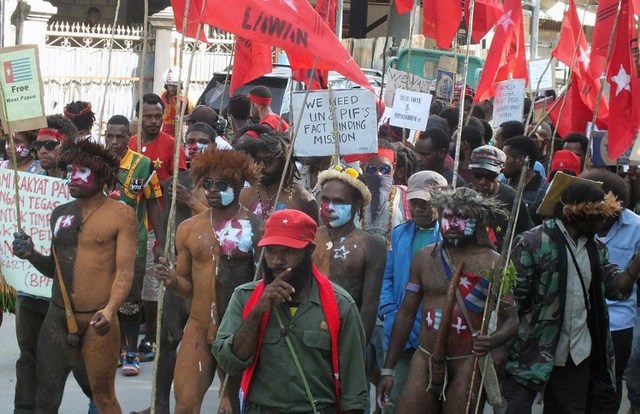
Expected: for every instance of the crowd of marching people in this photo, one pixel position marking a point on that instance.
(397, 281)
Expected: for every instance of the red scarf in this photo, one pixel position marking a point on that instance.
(331, 313)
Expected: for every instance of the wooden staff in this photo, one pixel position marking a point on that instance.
(587, 156)
(439, 357)
(456, 161)
(169, 247)
(143, 65)
(106, 82)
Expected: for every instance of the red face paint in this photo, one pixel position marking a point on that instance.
(81, 177)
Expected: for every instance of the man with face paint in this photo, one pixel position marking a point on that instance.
(564, 345)
(93, 248)
(295, 336)
(139, 188)
(389, 206)
(464, 214)
(269, 151)
(406, 239)
(215, 254)
(350, 257)
(24, 151)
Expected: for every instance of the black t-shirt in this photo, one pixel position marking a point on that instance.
(507, 196)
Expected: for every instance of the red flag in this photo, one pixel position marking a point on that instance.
(250, 61)
(193, 17)
(327, 10)
(506, 58)
(403, 6)
(291, 25)
(605, 16)
(486, 14)
(624, 92)
(440, 21)
(575, 114)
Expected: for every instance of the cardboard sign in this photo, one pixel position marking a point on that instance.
(39, 195)
(397, 79)
(508, 104)
(537, 74)
(445, 82)
(355, 111)
(21, 89)
(411, 110)
(559, 184)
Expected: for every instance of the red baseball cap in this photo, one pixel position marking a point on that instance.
(565, 160)
(291, 228)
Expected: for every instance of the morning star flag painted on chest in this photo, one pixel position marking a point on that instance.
(17, 70)
(292, 25)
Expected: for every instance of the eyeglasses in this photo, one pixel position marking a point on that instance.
(220, 185)
(48, 145)
(384, 169)
(489, 176)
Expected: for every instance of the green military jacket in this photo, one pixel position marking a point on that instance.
(276, 385)
(540, 258)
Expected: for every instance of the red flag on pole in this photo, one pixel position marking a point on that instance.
(624, 93)
(506, 58)
(575, 114)
(440, 21)
(291, 25)
(486, 14)
(193, 18)
(250, 61)
(605, 16)
(403, 6)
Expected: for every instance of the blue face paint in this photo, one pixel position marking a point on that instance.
(201, 147)
(344, 215)
(227, 196)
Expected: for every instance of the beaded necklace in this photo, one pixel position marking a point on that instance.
(266, 208)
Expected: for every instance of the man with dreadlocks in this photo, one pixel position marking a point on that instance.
(564, 346)
(463, 216)
(93, 250)
(350, 257)
(269, 151)
(83, 118)
(216, 254)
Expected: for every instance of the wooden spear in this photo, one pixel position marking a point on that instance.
(143, 64)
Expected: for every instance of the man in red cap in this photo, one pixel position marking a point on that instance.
(567, 162)
(260, 98)
(296, 337)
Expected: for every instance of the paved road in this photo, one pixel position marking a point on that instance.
(134, 393)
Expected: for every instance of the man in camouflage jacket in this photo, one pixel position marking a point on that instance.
(542, 260)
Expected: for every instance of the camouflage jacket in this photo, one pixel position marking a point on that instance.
(540, 258)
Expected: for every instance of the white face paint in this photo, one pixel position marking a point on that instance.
(227, 196)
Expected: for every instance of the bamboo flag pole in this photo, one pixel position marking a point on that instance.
(456, 162)
(107, 81)
(169, 247)
(143, 65)
(14, 162)
(564, 100)
(587, 156)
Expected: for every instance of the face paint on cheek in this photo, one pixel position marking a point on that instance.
(469, 226)
(343, 213)
(82, 177)
(22, 151)
(227, 196)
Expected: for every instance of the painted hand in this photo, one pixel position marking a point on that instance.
(101, 321)
(22, 245)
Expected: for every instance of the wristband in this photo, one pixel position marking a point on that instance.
(387, 372)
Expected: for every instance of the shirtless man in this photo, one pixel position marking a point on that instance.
(215, 245)
(270, 152)
(350, 257)
(464, 213)
(94, 240)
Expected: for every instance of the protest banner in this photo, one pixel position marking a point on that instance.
(39, 195)
(508, 104)
(397, 79)
(21, 89)
(411, 110)
(355, 111)
(537, 74)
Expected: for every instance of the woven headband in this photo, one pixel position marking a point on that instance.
(50, 132)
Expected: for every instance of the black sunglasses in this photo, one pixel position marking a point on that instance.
(220, 185)
(479, 175)
(384, 169)
(48, 145)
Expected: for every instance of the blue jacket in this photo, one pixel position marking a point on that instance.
(396, 276)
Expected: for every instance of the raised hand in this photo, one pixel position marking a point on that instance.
(22, 245)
